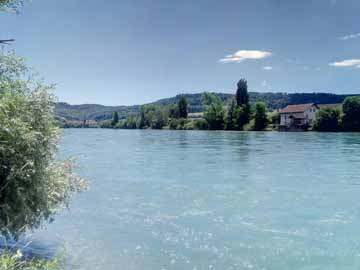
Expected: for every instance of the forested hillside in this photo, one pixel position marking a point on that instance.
(272, 100)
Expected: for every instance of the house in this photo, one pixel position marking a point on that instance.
(298, 117)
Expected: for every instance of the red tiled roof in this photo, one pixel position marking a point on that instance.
(298, 108)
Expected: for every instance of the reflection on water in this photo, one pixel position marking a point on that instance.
(212, 200)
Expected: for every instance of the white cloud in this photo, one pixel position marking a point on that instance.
(242, 55)
(267, 68)
(351, 36)
(347, 63)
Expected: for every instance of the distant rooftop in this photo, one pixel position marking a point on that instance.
(298, 108)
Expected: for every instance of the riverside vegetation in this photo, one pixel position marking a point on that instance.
(33, 184)
(235, 114)
(92, 114)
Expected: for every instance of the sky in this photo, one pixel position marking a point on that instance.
(128, 52)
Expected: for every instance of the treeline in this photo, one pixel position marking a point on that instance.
(341, 118)
(234, 114)
(273, 101)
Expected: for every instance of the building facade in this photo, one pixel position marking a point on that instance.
(299, 116)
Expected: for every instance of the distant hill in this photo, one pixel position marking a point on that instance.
(273, 101)
(92, 111)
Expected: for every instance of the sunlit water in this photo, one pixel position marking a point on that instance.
(211, 200)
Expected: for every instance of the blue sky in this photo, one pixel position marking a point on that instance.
(131, 52)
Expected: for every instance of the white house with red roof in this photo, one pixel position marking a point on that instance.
(298, 116)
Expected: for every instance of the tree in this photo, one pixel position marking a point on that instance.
(182, 107)
(242, 96)
(115, 119)
(140, 123)
(231, 118)
(242, 102)
(130, 122)
(33, 184)
(243, 116)
(214, 111)
(173, 111)
(327, 119)
(152, 116)
(260, 116)
(275, 118)
(158, 118)
(351, 116)
(201, 124)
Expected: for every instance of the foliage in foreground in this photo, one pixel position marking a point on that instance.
(11, 5)
(16, 261)
(32, 184)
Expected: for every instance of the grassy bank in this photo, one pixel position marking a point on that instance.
(15, 260)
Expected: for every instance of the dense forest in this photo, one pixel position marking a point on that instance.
(273, 101)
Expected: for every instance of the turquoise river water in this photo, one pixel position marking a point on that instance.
(211, 200)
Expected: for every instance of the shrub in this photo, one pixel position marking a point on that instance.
(173, 123)
(32, 184)
(201, 124)
(106, 124)
(249, 126)
(327, 119)
(152, 116)
(274, 118)
(260, 116)
(115, 119)
(214, 111)
(182, 107)
(351, 117)
(10, 260)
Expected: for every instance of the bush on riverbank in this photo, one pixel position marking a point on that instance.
(328, 119)
(10, 260)
(32, 184)
(351, 114)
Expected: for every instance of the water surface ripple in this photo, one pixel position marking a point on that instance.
(212, 200)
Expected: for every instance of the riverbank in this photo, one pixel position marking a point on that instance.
(15, 260)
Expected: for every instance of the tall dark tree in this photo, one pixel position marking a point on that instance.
(242, 96)
(115, 119)
(182, 107)
(260, 117)
(242, 102)
(231, 116)
(351, 117)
